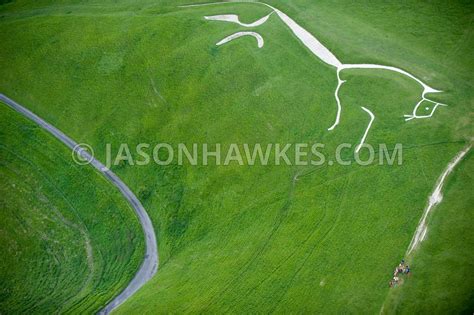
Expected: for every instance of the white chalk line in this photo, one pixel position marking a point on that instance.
(426, 88)
(315, 46)
(233, 18)
(322, 52)
(257, 36)
(414, 115)
(325, 55)
(372, 117)
(434, 199)
(338, 101)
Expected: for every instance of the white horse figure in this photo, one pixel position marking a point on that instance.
(325, 55)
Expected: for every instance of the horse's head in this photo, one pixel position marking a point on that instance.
(425, 108)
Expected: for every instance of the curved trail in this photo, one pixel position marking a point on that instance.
(150, 262)
(434, 199)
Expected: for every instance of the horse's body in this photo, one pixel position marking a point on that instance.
(325, 55)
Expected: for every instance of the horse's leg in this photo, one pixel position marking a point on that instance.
(336, 94)
(372, 117)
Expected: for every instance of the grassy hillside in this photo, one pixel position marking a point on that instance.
(442, 278)
(263, 238)
(68, 240)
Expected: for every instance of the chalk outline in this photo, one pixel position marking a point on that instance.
(325, 55)
(372, 118)
(258, 37)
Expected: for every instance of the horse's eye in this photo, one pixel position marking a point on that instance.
(425, 109)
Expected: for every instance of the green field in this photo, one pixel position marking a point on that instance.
(442, 276)
(249, 239)
(68, 240)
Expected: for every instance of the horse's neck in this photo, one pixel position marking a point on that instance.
(314, 45)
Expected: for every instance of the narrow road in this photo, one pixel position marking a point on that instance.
(150, 261)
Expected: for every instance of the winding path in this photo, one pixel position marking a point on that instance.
(150, 262)
(434, 199)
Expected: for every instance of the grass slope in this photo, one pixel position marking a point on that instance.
(253, 239)
(443, 280)
(68, 240)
